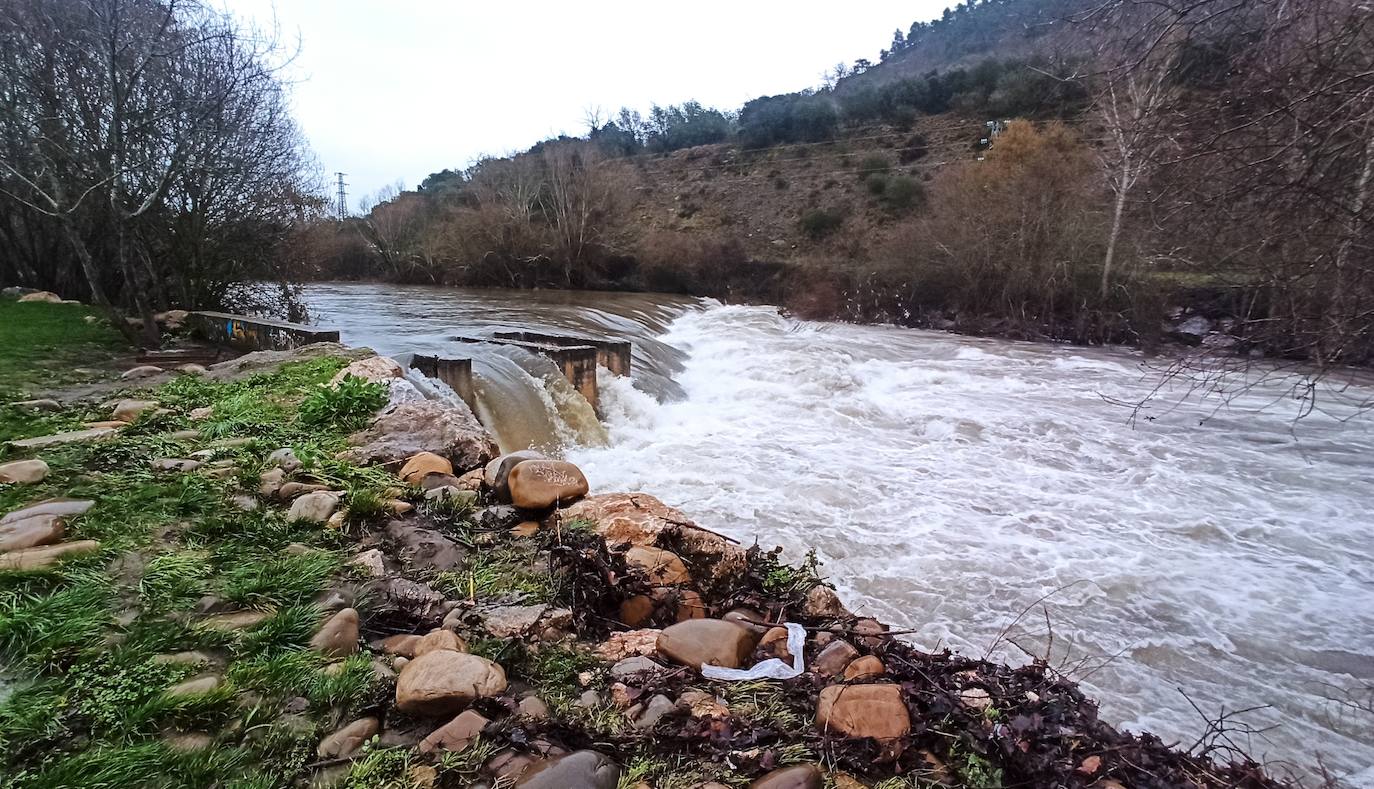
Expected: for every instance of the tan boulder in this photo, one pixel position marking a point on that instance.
(630, 642)
(373, 368)
(235, 621)
(457, 734)
(31, 532)
(338, 637)
(438, 639)
(129, 410)
(41, 296)
(424, 463)
(875, 711)
(698, 642)
(445, 681)
(690, 606)
(23, 472)
(347, 741)
(864, 667)
(835, 658)
(822, 603)
(774, 644)
(45, 556)
(664, 568)
(196, 686)
(641, 519)
(402, 644)
(540, 484)
(407, 429)
(635, 611)
(313, 507)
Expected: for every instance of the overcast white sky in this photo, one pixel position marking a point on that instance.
(400, 89)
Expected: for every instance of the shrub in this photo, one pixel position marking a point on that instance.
(819, 223)
(874, 163)
(876, 183)
(902, 193)
(347, 406)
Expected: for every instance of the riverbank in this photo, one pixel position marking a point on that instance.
(208, 636)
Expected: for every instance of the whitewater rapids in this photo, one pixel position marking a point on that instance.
(948, 483)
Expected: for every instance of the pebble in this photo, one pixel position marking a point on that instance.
(313, 507)
(864, 667)
(338, 637)
(193, 687)
(645, 716)
(662, 567)
(130, 410)
(801, 776)
(142, 371)
(456, 735)
(347, 740)
(43, 557)
(833, 660)
(422, 464)
(579, 770)
(446, 681)
(631, 666)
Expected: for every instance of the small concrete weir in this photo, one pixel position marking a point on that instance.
(255, 334)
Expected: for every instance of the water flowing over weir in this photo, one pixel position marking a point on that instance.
(949, 482)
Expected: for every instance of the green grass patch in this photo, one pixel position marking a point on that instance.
(42, 344)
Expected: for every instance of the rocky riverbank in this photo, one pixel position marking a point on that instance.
(294, 569)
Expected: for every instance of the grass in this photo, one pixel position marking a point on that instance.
(44, 343)
(87, 705)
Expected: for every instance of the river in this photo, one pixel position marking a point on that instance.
(948, 483)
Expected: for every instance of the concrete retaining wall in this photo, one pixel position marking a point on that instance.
(255, 334)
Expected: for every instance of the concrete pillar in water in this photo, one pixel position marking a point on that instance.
(456, 373)
(576, 362)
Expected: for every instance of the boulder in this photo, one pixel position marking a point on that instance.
(380, 369)
(630, 642)
(703, 705)
(533, 707)
(801, 776)
(270, 482)
(402, 644)
(313, 507)
(175, 464)
(284, 459)
(690, 605)
(636, 611)
(201, 414)
(42, 296)
(422, 464)
(663, 568)
(835, 658)
(263, 361)
(496, 475)
(580, 769)
(541, 484)
(445, 682)
(646, 715)
(697, 642)
(23, 472)
(868, 632)
(338, 637)
(31, 532)
(635, 664)
(511, 621)
(63, 508)
(424, 549)
(774, 644)
(172, 319)
(865, 667)
(45, 556)
(347, 741)
(436, 640)
(129, 410)
(190, 368)
(641, 519)
(875, 711)
(142, 371)
(457, 734)
(69, 437)
(404, 430)
(822, 603)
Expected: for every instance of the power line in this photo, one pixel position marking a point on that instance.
(343, 197)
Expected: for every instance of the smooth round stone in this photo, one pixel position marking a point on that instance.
(424, 463)
(875, 711)
(699, 642)
(577, 770)
(23, 472)
(339, 636)
(445, 681)
(540, 484)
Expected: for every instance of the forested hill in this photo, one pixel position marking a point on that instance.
(974, 31)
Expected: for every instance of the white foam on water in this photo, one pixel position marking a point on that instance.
(950, 482)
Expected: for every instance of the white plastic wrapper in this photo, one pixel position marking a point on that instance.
(771, 668)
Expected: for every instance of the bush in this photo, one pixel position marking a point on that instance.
(819, 223)
(873, 164)
(876, 183)
(902, 193)
(347, 406)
